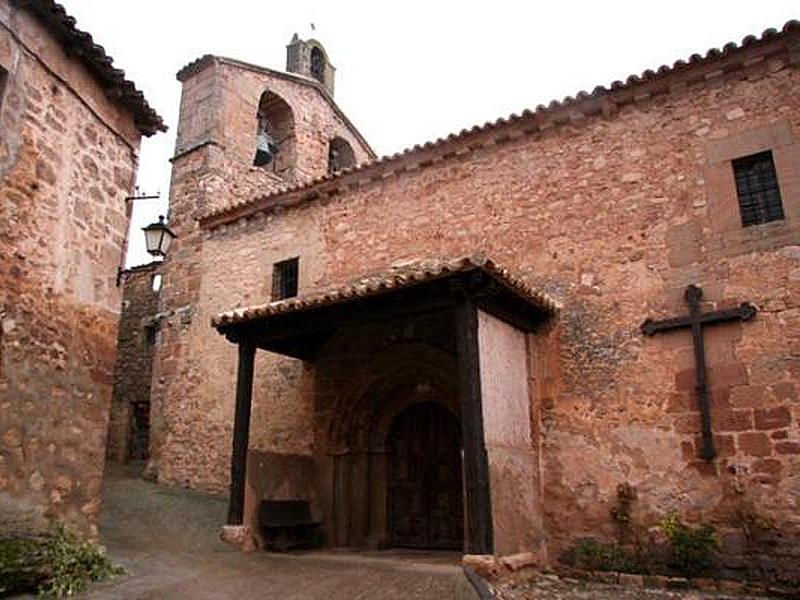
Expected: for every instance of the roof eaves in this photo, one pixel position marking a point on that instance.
(396, 279)
(566, 111)
(81, 45)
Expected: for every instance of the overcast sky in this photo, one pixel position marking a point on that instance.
(410, 71)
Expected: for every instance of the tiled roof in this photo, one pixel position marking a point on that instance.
(399, 277)
(80, 44)
(699, 68)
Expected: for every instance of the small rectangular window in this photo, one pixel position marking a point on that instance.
(284, 279)
(757, 188)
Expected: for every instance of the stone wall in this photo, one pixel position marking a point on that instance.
(67, 163)
(613, 214)
(129, 424)
(213, 168)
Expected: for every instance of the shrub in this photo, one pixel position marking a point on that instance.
(22, 565)
(592, 555)
(691, 549)
(57, 565)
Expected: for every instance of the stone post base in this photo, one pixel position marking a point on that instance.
(497, 569)
(239, 537)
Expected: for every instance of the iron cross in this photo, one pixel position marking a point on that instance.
(696, 319)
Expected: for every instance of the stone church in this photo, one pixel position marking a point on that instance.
(472, 344)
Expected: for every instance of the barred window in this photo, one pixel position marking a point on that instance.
(284, 279)
(757, 187)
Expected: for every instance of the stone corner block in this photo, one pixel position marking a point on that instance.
(240, 537)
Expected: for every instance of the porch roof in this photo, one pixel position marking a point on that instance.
(396, 278)
(299, 326)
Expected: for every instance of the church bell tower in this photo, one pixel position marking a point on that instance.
(308, 57)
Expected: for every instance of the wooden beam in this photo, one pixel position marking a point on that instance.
(478, 501)
(324, 320)
(241, 430)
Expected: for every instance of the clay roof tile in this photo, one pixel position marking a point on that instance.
(695, 60)
(79, 43)
(406, 275)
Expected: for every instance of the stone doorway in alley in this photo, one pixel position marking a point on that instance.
(425, 478)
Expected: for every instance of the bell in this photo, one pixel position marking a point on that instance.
(263, 157)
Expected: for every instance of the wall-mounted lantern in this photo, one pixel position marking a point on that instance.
(158, 237)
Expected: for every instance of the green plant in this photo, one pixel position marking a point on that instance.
(691, 549)
(22, 565)
(58, 565)
(592, 555)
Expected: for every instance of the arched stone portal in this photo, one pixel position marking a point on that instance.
(375, 439)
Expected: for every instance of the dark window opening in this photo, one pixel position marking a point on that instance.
(274, 134)
(317, 64)
(284, 279)
(340, 155)
(757, 188)
(150, 336)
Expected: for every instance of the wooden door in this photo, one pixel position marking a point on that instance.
(425, 491)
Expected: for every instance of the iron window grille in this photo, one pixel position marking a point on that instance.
(757, 188)
(284, 279)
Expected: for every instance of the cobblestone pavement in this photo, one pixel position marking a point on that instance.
(551, 587)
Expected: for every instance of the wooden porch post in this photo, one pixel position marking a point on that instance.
(241, 430)
(478, 502)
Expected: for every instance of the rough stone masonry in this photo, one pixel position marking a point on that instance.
(612, 203)
(129, 419)
(70, 127)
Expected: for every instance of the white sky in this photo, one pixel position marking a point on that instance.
(410, 71)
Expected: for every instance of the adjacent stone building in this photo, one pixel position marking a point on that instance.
(129, 420)
(450, 343)
(70, 128)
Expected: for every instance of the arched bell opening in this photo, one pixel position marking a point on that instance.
(275, 135)
(340, 155)
(318, 64)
